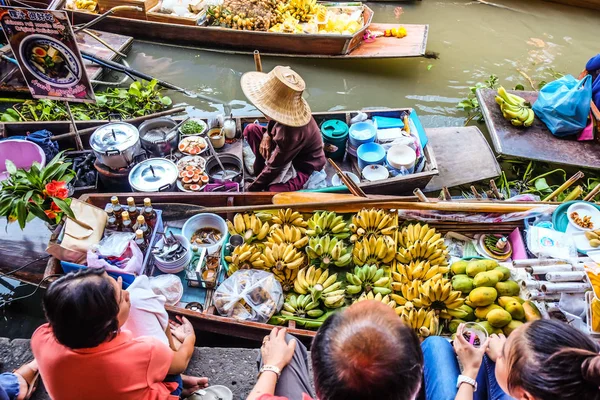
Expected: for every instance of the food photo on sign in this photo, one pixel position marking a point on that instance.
(44, 46)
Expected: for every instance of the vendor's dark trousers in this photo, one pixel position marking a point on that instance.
(253, 134)
(295, 378)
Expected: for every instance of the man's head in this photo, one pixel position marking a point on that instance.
(366, 353)
(86, 308)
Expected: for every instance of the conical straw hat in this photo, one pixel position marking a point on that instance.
(278, 95)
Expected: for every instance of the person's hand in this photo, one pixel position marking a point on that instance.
(469, 356)
(494, 350)
(265, 146)
(247, 185)
(182, 329)
(275, 351)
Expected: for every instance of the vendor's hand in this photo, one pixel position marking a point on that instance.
(247, 186)
(265, 146)
(494, 350)
(275, 351)
(182, 329)
(469, 356)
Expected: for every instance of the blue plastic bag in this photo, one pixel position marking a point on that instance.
(564, 105)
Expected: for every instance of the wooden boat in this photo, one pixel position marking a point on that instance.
(225, 40)
(591, 4)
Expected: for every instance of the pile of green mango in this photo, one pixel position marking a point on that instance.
(491, 297)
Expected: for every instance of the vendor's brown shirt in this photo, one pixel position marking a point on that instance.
(302, 146)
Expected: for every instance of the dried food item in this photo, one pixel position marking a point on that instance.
(585, 222)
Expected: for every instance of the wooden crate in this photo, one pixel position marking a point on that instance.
(156, 16)
(145, 5)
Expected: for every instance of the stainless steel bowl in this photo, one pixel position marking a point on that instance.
(157, 145)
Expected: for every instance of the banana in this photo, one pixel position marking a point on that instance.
(368, 278)
(374, 250)
(246, 256)
(301, 306)
(385, 299)
(282, 256)
(369, 222)
(291, 218)
(530, 118)
(515, 108)
(326, 251)
(315, 280)
(249, 226)
(328, 223)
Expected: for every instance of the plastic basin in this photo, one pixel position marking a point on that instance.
(362, 132)
(206, 220)
(370, 153)
(22, 153)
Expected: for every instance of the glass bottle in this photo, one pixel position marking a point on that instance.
(117, 208)
(140, 240)
(141, 225)
(126, 225)
(111, 222)
(149, 213)
(132, 209)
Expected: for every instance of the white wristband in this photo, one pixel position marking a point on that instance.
(465, 379)
(270, 368)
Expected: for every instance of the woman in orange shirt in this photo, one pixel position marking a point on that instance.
(83, 354)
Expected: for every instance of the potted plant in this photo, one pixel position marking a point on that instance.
(39, 192)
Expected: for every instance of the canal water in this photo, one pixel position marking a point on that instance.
(472, 41)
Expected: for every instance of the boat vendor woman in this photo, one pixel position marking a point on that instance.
(290, 148)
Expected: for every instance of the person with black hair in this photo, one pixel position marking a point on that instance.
(362, 353)
(83, 353)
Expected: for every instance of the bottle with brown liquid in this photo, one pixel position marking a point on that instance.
(126, 224)
(141, 225)
(140, 240)
(111, 222)
(117, 208)
(132, 209)
(149, 213)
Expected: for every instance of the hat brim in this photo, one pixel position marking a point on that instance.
(253, 80)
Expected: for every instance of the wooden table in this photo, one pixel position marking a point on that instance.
(536, 142)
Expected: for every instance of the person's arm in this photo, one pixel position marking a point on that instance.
(277, 353)
(183, 355)
(279, 158)
(470, 358)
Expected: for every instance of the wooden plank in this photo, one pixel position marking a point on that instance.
(537, 142)
(463, 155)
(413, 45)
(591, 4)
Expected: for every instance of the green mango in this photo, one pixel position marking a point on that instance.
(499, 318)
(508, 288)
(474, 267)
(485, 279)
(462, 283)
(505, 272)
(459, 267)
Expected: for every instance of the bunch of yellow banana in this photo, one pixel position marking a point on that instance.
(282, 256)
(326, 251)
(424, 322)
(368, 278)
(302, 10)
(249, 226)
(438, 294)
(420, 270)
(315, 281)
(408, 290)
(287, 234)
(289, 217)
(334, 299)
(372, 222)
(328, 223)
(418, 242)
(286, 277)
(302, 306)
(246, 256)
(377, 297)
(379, 251)
(515, 108)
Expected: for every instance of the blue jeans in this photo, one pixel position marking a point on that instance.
(175, 378)
(441, 371)
(9, 386)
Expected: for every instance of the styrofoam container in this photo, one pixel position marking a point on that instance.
(402, 156)
(206, 220)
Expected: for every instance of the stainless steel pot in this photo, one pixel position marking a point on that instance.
(116, 144)
(156, 143)
(215, 172)
(154, 175)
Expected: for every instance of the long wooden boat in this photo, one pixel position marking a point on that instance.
(218, 39)
(591, 4)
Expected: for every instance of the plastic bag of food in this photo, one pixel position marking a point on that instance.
(167, 285)
(249, 295)
(118, 253)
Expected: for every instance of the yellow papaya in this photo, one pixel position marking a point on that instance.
(459, 267)
(512, 325)
(489, 264)
(499, 318)
(508, 288)
(503, 301)
(482, 296)
(462, 283)
(516, 310)
(505, 271)
(498, 274)
(531, 311)
(474, 267)
(486, 279)
(482, 312)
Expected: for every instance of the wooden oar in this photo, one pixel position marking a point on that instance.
(291, 198)
(352, 187)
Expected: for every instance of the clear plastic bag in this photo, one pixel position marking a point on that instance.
(118, 253)
(249, 295)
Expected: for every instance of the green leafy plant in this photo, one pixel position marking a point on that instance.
(470, 105)
(39, 192)
(141, 98)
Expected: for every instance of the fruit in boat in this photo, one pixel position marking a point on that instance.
(377, 297)
(289, 217)
(531, 311)
(438, 294)
(425, 323)
(328, 223)
(287, 234)
(512, 325)
(249, 226)
(463, 312)
(372, 221)
(508, 288)
(286, 277)
(316, 282)
(499, 318)
(379, 251)
(505, 272)
(515, 108)
(246, 256)
(482, 312)
(453, 325)
(475, 267)
(462, 283)
(281, 256)
(302, 306)
(368, 278)
(327, 251)
(459, 267)
(483, 296)
(516, 310)
(486, 279)
(418, 242)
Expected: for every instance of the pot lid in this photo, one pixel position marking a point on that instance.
(153, 175)
(114, 136)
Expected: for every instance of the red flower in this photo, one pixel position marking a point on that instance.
(52, 212)
(57, 189)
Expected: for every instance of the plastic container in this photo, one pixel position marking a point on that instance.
(402, 156)
(176, 266)
(362, 132)
(335, 134)
(22, 153)
(369, 154)
(206, 220)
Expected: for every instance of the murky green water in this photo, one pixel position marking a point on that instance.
(473, 41)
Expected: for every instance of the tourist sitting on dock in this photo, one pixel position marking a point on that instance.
(290, 148)
(364, 352)
(83, 353)
(541, 360)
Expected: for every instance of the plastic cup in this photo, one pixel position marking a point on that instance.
(475, 334)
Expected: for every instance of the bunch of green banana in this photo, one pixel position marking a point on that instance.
(420, 270)
(316, 282)
(368, 278)
(515, 108)
(249, 226)
(328, 223)
(334, 299)
(287, 234)
(380, 251)
(325, 251)
(372, 222)
(418, 242)
(377, 297)
(246, 256)
(289, 217)
(425, 323)
(282, 256)
(438, 294)
(286, 277)
(301, 306)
